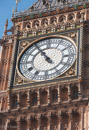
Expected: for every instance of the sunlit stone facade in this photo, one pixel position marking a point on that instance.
(61, 103)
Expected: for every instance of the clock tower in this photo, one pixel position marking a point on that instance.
(44, 67)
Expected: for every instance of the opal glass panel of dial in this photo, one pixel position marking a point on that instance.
(47, 58)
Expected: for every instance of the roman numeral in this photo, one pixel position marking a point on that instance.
(69, 55)
(30, 68)
(29, 62)
(59, 43)
(37, 72)
(64, 63)
(66, 48)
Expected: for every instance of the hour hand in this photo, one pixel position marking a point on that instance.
(48, 59)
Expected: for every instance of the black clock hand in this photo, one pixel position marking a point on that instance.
(48, 59)
(44, 54)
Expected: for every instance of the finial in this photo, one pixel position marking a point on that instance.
(6, 22)
(17, 1)
(13, 11)
(6, 25)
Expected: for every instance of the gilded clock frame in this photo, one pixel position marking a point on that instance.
(22, 52)
(67, 35)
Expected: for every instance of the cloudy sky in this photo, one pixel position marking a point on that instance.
(6, 7)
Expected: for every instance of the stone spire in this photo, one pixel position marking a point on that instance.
(6, 25)
(17, 1)
(13, 11)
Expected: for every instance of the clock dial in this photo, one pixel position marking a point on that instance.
(47, 58)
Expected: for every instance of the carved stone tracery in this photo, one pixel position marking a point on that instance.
(36, 24)
(77, 126)
(66, 127)
(58, 20)
(44, 22)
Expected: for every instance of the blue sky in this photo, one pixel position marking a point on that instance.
(6, 7)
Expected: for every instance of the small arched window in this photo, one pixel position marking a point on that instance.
(75, 93)
(34, 100)
(54, 96)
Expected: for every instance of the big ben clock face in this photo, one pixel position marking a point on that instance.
(47, 58)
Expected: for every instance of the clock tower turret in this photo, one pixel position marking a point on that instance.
(44, 79)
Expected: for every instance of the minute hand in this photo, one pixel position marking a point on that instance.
(45, 56)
